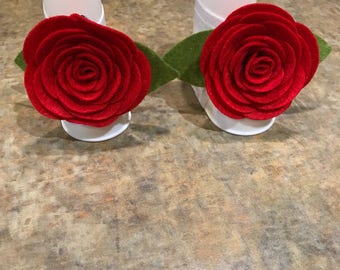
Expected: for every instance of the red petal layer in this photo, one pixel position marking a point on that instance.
(83, 72)
(257, 61)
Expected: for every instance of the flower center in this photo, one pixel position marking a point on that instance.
(84, 72)
(259, 68)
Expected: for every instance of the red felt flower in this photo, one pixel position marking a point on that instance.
(257, 61)
(83, 72)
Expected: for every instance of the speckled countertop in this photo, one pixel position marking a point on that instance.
(172, 192)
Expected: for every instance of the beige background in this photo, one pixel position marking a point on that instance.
(172, 192)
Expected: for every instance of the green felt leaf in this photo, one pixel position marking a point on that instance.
(20, 61)
(324, 48)
(185, 58)
(162, 73)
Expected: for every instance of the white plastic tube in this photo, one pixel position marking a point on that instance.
(92, 9)
(95, 134)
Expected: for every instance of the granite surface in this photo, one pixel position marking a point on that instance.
(173, 191)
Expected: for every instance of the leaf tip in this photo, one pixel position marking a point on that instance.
(20, 61)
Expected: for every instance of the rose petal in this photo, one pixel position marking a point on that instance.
(263, 7)
(41, 100)
(311, 56)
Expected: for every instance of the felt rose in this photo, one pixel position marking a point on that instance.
(257, 61)
(83, 72)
